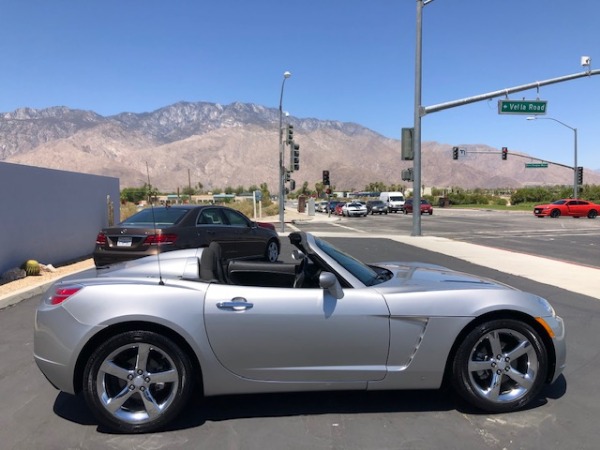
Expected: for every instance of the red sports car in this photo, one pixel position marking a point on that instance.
(338, 208)
(426, 207)
(573, 207)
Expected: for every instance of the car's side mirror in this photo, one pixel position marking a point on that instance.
(329, 281)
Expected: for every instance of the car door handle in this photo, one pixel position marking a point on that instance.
(236, 304)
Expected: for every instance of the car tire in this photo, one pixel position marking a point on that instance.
(592, 214)
(555, 213)
(492, 362)
(272, 251)
(137, 381)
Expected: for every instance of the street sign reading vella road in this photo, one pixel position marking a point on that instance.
(528, 107)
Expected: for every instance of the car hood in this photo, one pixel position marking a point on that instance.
(414, 276)
(423, 291)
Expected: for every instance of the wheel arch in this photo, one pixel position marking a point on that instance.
(123, 327)
(499, 315)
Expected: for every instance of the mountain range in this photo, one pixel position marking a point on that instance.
(237, 145)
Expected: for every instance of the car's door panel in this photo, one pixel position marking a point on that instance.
(286, 334)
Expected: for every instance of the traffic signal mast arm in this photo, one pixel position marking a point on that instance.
(464, 151)
(504, 92)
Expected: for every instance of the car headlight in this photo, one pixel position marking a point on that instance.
(546, 306)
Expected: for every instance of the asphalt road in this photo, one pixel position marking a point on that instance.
(35, 416)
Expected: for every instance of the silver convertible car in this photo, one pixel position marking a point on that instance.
(137, 340)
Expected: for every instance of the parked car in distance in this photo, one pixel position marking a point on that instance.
(393, 200)
(426, 207)
(326, 322)
(354, 209)
(321, 207)
(330, 207)
(376, 207)
(338, 208)
(166, 228)
(573, 207)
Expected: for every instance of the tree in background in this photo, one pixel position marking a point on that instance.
(319, 188)
(378, 186)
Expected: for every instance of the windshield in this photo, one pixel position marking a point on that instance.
(367, 275)
(396, 199)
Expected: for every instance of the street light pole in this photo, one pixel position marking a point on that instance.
(286, 75)
(416, 223)
(575, 184)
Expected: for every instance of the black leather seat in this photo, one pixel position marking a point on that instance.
(211, 265)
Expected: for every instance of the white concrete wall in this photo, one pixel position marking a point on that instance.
(52, 216)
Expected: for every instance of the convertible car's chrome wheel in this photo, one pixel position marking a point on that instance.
(137, 381)
(272, 251)
(500, 366)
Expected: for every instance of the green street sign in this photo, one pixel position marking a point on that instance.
(528, 107)
(542, 165)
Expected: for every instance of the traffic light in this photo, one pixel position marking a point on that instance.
(292, 185)
(294, 156)
(454, 152)
(326, 178)
(289, 133)
(287, 176)
(407, 144)
(504, 153)
(579, 175)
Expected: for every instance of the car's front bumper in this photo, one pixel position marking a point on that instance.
(541, 212)
(557, 325)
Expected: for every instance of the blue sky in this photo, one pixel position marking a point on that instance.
(351, 60)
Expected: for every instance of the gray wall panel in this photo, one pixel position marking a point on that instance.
(51, 216)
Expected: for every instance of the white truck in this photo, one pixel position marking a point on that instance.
(393, 200)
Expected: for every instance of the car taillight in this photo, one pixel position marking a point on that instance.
(61, 293)
(160, 239)
(101, 239)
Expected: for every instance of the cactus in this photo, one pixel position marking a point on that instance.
(31, 267)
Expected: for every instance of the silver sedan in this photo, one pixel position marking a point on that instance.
(137, 340)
